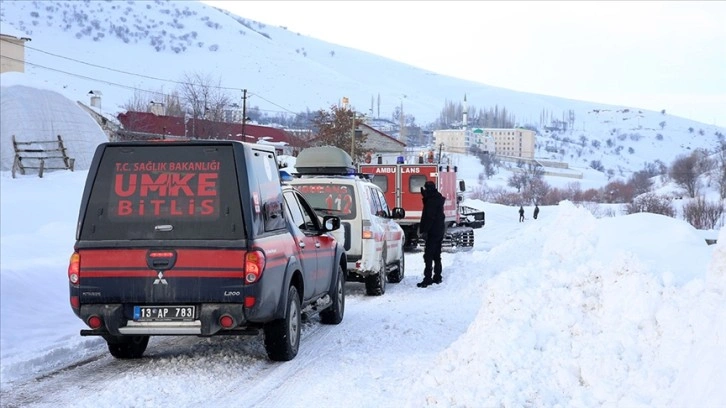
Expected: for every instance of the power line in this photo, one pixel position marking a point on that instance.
(273, 103)
(139, 89)
(86, 77)
(102, 67)
(125, 72)
(284, 110)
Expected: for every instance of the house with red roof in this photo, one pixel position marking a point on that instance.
(146, 125)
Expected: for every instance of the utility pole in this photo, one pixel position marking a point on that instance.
(352, 136)
(402, 133)
(345, 102)
(244, 113)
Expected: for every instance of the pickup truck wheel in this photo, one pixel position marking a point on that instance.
(397, 275)
(334, 313)
(127, 347)
(282, 336)
(376, 284)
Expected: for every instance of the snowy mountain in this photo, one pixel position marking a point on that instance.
(131, 48)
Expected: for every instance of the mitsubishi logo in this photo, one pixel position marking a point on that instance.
(160, 279)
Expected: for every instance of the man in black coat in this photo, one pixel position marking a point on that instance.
(432, 228)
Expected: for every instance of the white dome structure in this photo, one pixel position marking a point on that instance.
(37, 115)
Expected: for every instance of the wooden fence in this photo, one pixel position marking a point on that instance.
(41, 155)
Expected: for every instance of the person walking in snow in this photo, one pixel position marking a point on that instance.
(521, 214)
(536, 211)
(432, 227)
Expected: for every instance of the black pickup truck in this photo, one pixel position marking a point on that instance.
(200, 238)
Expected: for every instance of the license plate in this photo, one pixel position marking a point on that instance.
(164, 313)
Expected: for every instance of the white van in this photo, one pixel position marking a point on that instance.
(373, 240)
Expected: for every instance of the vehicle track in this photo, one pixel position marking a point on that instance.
(380, 337)
(180, 358)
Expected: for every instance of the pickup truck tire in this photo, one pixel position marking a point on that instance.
(334, 313)
(127, 347)
(282, 336)
(397, 275)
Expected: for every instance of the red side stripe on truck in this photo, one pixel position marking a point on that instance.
(148, 273)
(108, 263)
(206, 263)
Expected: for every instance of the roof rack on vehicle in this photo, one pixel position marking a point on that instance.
(365, 176)
(325, 161)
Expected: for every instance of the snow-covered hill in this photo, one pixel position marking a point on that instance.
(145, 48)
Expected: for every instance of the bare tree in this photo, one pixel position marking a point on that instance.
(517, 180)
(335, 128)
(489, 160)
(204, 97)
(535, 186)
(683, 172)
(536, 190)
(651, 203)
(705, 163)
(172, 104)
(534, 171)
(617, 191)
(722, 173)
(143, 100)
(703, 214)
(641, 182)
(138, 103)
(528, 180)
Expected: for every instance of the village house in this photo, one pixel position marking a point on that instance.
(147, 125)
(378, 142)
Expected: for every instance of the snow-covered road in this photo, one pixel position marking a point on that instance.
(568, 310)
(381, 346)
(378, 351)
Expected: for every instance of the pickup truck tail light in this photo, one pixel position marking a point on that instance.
(74, 269)
(254, 265)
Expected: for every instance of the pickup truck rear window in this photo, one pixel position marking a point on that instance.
(164, 192)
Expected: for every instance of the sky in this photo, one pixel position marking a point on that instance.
(651, 54)
(567, 310)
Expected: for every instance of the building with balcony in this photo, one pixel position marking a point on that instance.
(513, 142)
